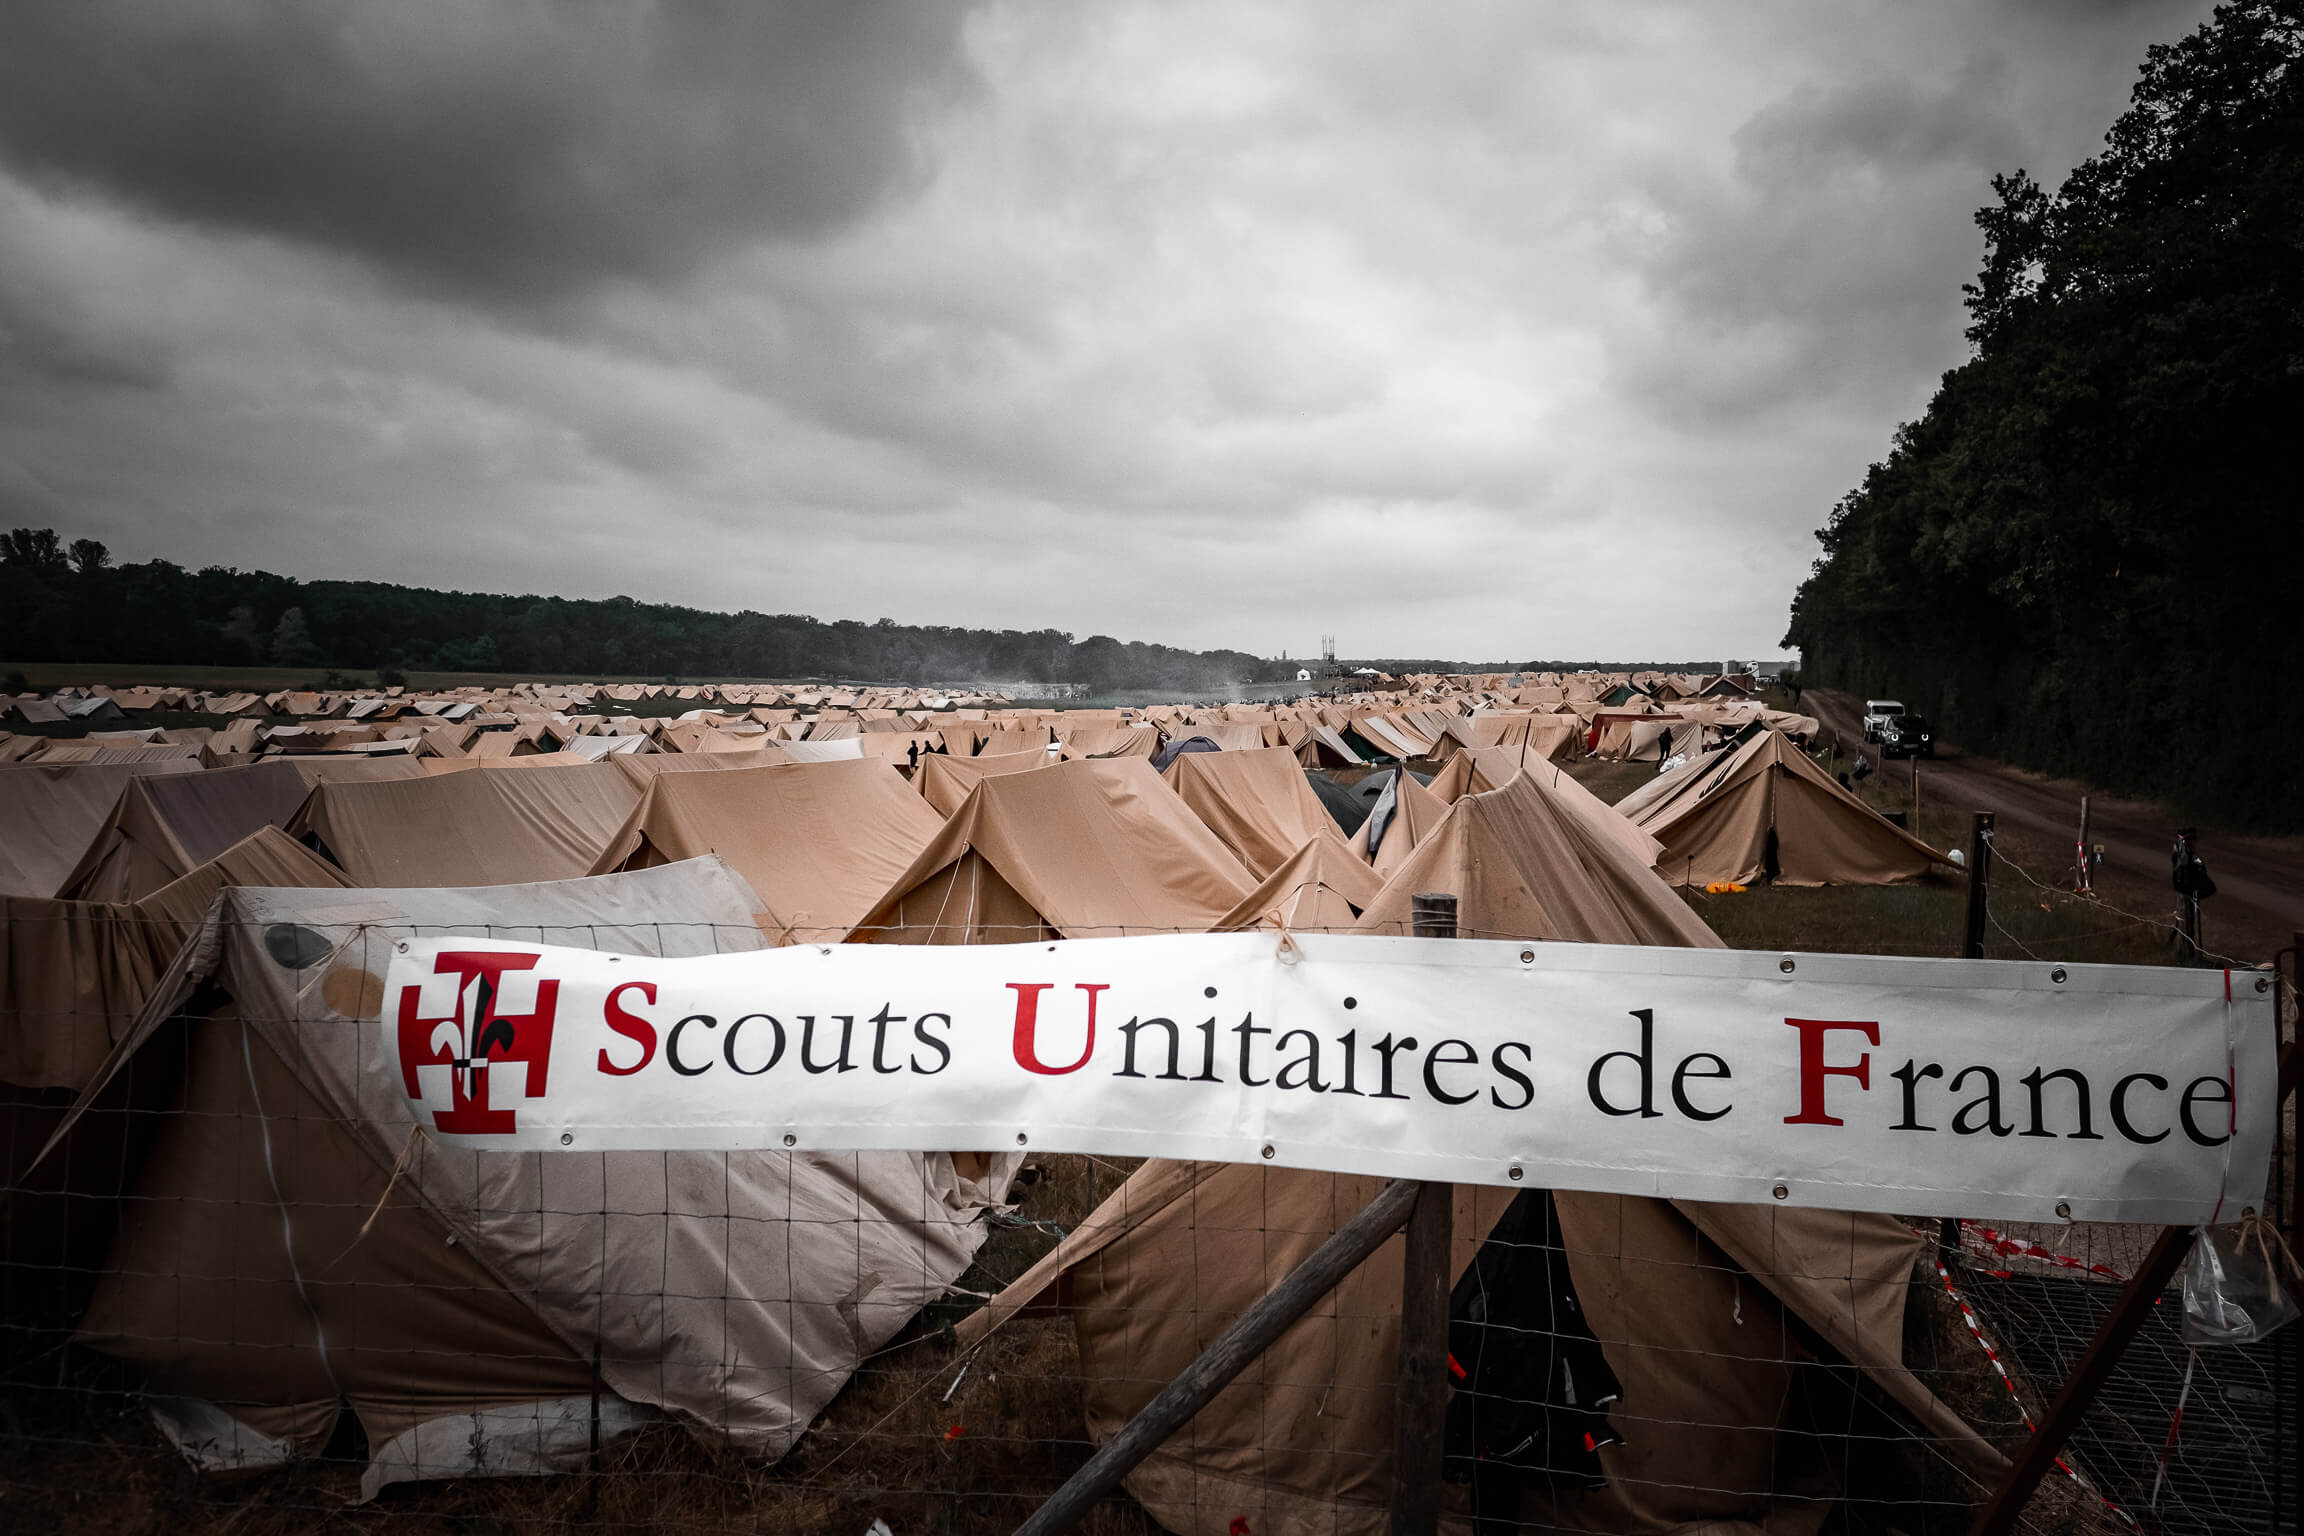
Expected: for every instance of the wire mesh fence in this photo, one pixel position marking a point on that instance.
(239, 1290)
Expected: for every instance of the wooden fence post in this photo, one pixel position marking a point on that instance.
(1979, 882)
(1420, 1395)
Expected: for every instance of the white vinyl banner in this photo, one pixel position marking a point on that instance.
(2002, 1089)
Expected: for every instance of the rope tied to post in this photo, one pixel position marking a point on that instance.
(2258, 1231)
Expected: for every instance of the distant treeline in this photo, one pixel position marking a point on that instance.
(2079, 558)
(69, 602)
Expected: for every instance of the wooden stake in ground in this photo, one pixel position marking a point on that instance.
(1979, 881)
(1420, 1397)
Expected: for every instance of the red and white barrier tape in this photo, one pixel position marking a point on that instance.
(1985, 1242)
(1976, 1330)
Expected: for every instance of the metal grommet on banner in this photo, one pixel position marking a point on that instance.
(1527, 957)
(2263, 983)
(1268, 1151)
(1785, 965)
(1514, 1173)
(791, 1140)
(2057, 975)
(1020, 1139)
(400, 946)
(2063, 1210)
(567, 1138)
(1783, 1191)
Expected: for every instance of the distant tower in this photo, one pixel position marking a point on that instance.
(1328, 654)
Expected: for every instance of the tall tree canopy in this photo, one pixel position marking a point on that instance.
(2075, 558)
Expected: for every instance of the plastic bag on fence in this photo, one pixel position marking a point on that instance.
(2234, 1288)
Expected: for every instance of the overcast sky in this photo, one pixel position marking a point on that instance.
(1512, 329)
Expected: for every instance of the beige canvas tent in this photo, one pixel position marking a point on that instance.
(1455, 779)
(1319, 746)
(1402, 817)
(1488, 768)
(1547, 735)
(1088, 849)
(163, 826)
(1527, 861)
(350, 768)
(504, 761)
(469, 828)
(1766, 811)
(1389, 737)
(642, 768)
(819, 842)
(945, 780)
(49, 814)
(697, 736)
(73, 976)
(1109, 740)
(74, 973)
(1650, 738)
(91, 751)
(1229, 736)
(1256, 803)
(1322, 888)
(291, 1247)
(1634, 806)
(1693, 1305)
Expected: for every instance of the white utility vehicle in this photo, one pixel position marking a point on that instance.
(1877, 713)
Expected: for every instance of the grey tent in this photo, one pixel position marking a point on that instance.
(293, 1244)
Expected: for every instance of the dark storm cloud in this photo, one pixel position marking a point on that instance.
(1828, 260)
(44, 340)
(512, 149)
(1476, 327)
(1881, 125)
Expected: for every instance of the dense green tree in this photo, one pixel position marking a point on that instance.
(59, 604)
(240, 631)
(292, 642)
(35, 551)
(2068, 558)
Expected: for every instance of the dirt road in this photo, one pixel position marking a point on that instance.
(2259, 880)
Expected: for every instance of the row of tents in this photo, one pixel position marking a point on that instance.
(1761, 809)
(397, 700)
(240, 1209)
(1438, 719)
(1537, 688)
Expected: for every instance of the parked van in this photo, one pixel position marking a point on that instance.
(1877, 713)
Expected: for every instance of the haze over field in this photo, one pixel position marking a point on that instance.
(1215, 325)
